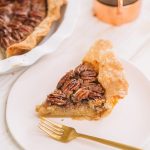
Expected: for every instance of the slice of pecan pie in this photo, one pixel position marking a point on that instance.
(89, 91)
(24, 23)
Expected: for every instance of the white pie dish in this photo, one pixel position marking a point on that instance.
(59, 32)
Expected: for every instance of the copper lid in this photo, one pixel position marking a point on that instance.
(115, 2)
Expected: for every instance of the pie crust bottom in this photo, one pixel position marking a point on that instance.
(81, 112)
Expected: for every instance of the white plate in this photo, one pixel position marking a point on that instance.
(60, 31)
(128, 123)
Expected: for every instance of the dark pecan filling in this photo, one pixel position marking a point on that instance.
(78, 86)
(18, 18)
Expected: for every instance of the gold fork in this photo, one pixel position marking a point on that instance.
(65, 134)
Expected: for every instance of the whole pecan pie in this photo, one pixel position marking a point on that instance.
(89, 91)
(24, 23)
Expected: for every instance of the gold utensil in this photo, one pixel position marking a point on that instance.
(65, 134)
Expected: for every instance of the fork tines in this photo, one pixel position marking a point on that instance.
(53, 129)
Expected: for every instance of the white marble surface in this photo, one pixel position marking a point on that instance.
(131, 41)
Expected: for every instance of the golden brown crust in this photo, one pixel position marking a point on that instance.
(111, 74)
(53, 14)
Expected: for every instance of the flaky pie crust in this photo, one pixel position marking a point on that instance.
(110, 72)
(53, 14)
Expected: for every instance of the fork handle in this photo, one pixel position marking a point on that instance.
(108, 142)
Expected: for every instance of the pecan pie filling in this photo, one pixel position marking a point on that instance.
(18, 18)
(78, 87)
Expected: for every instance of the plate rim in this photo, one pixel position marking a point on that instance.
(7, 114)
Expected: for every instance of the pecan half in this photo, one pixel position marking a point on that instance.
(17, 35)
(6, 41)
(57, 98)
(15, 24)
(20, 14)
(86, 72)
(5, 10)
(4, 30)
(81, 94)
(90, 73)
(95, 95)
(96, 87)
(37, 14)
(70, 86)
(66, 77)
(5, 2)
(26, 30)
(87, 84)
(89, 76)
(32, 22)
(83, 67)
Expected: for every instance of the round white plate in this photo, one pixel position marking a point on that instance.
(128, 123)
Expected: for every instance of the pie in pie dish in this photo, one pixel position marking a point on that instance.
(91, 90)
(24, 23)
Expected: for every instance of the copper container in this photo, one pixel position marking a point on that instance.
(117, 12)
